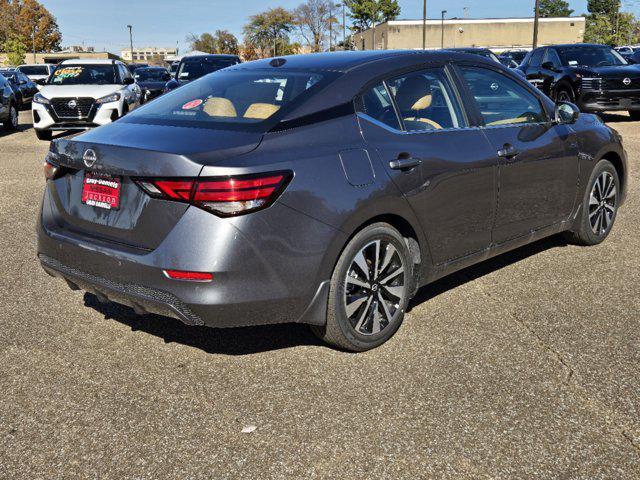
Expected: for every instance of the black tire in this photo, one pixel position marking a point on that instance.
(12, 121)
(377, 310)
(44, 135)
(584, 231)
(564, 93)
(634, 114)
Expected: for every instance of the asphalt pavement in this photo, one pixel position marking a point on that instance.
(526, 366)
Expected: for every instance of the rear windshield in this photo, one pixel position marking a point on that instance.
(241, 99)
(590, 57)
(35, 70)
(151, 75)
(190, 70)
(83, 75)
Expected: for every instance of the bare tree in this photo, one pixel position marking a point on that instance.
(313, 19)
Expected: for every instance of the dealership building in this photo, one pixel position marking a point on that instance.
(494, 33)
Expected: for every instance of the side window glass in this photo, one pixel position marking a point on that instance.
(377, 104)
(425, 101)
(552, 56)
(501, 100)
(536, 58)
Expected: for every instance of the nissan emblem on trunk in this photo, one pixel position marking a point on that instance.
(89, 158)
(72, 104)
(627, 81)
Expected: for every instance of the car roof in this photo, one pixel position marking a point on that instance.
(90, 61)
(213, 55)
(573, 45)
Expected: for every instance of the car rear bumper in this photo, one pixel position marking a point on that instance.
(256, 280)
(612, 100)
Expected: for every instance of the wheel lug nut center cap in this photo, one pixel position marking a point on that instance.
(374, 287)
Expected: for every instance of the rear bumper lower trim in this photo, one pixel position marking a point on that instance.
(139, 297)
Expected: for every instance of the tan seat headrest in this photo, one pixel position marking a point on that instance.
(422, 103)
(219, 107)
(261, 110)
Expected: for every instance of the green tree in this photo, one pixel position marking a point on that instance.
(15, 50)
(366, 13)
(269, 31)
(226, 42)
(202, 43)
(555, 8)
(606, 24)
(603, 7)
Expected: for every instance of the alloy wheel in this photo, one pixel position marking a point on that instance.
(14, 117)
(374, 287)
(602, 203)
(564, 96)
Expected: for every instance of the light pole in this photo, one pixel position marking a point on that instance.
(424, 25)
(536, 15)
(442, 29)
(130, 27)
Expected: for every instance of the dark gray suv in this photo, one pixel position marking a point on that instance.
(322, 189)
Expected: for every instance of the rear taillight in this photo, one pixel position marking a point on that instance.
(224, 196)
(52, 171)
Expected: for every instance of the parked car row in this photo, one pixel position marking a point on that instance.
(82, 94)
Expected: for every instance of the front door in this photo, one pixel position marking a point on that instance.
(538, 167)
(446, 170)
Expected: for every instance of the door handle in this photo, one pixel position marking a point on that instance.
(508, 151)
(404, 163)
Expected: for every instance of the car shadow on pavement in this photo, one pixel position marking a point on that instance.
(248, 340)
(228, 341)
(21, 128)
(615, 117)
(484, 268)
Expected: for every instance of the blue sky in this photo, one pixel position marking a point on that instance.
(102, 23)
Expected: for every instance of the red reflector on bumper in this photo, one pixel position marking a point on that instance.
(189, 276)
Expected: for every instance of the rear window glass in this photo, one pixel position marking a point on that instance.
(83, 75)
(190, 70)
(35, 70)
(232, 98)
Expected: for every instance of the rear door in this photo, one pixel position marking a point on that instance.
(445, 167)
(538, 159)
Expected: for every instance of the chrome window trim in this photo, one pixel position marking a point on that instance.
(366, 117)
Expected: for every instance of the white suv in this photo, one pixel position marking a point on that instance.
(82, 94)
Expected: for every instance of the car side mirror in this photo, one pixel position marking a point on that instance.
(129, 81)
(549, 66)
(41, 81)
(566, 113)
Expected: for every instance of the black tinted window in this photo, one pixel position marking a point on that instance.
(536, 58)
(190, 70)
(591, 56)
(377, 104)
(502, 100)
(552, 56)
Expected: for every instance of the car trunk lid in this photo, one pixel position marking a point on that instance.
(117, 155)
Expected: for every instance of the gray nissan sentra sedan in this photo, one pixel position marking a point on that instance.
(322, 189)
